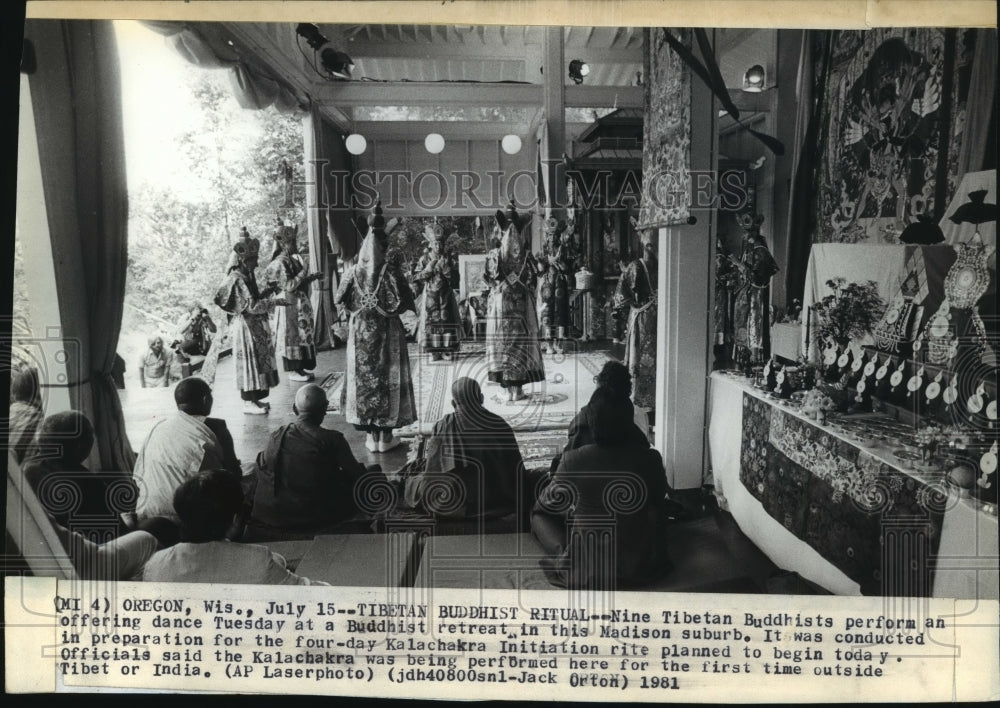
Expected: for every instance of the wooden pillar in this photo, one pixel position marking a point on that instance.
(554, 144)
(684, 318)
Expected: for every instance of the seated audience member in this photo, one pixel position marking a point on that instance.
(207, 506)
(306, 476)
(118, 372)
(121, 558)
(91, 503)
(180, 446)
(25, 411)
(616, 377)
(473, 466)
(581, 495)
(154, 365)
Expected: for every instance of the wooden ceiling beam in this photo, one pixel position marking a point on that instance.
(515, 48)
(451, 130)
(415, 93)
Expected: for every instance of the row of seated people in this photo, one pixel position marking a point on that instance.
(190, 486)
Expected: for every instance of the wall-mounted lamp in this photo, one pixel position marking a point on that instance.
(434, 143)
(355, 144)
(578, 70)
(336, 64)
(754, 79)
(511, 144)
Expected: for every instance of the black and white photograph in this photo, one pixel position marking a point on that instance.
(415, 311)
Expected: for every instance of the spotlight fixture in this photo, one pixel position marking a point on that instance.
(578, 70)
(434, 143)
(336, 64)
(355, 144)
(511, 144)
(753, 80)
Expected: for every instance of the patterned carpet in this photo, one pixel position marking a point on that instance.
(549, 406)
(540, 421)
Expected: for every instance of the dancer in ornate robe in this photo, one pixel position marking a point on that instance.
(752, 303)
(249, 331)
(513, 355)
(554, 285)
(440, 319)
(636, 299)
(378, 391)
(292, 318)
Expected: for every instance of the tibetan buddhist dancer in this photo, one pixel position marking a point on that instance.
(378, 390)
(513, 355)
(752, 301)
(635, 299)
(440, 321)
(292, 316)
(554, 284)
(249, 329)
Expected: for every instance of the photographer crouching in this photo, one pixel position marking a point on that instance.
(196, 330)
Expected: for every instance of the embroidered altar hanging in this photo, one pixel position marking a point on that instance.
(894, 110)
(880, 527)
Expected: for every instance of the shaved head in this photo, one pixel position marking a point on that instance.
(311, 400)
(193, 396)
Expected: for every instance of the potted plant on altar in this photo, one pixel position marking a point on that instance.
(850, 312)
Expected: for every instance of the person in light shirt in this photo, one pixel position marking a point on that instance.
(208, 505)
(180, 446)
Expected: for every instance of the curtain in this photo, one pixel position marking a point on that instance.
(810, 139)
(251, 86)
(76, 100)
(980, 119)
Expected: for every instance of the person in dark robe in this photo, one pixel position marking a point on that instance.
(292, 316)
(89, 503)
(306, 475)
(602, 518)
(616, 377)
(377, 396)
(513, 354)
(635, 301)
(752, 300)
(555, 268)
(473, 466)
(249, 329)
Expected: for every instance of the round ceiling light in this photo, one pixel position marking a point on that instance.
(511, 144)
(356, 144)
(753, 80)
(434, 143)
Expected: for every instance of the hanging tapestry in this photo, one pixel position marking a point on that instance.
(880, 527)
(666, 153)
(894, 108)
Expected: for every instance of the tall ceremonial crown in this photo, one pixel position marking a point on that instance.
(434, 233)
(375, 219)
(246, 246)
(377, 223)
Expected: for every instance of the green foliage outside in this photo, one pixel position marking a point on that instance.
(179, 247)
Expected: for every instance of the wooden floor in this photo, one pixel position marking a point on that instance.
(720, 543)
(143, 407)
